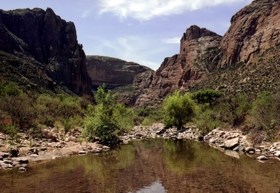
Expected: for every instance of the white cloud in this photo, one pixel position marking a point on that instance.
(173, 40)
(148, 9)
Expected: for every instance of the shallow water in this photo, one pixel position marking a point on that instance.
(154, 166)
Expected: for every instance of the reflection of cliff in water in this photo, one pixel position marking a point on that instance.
(159, 165)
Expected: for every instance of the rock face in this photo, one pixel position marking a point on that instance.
(245, 59)
(253, 30)
(112, 71)
(196, 58)
(42, 49)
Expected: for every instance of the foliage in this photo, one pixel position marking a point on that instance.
(19, 109)
(66, 109)
(206, 96)
(178, 109)
(147, 115)
(206, 119)
(107, 119)
(233, 109)
(10, 89)
(266, 112)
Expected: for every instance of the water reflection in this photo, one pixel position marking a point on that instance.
(155, 187)
(148, 166)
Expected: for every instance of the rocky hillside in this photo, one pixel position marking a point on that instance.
(112, 72)
(39, 50)
(245, 59)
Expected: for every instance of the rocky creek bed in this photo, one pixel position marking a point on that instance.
(53, 144)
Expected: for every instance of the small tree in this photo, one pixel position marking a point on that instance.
(107, 118)
(206, 96)
(178, 110)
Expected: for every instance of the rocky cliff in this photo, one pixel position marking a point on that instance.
(39, 49)
(112, 72)
(196, 59)
(245, 59)
(253, 30)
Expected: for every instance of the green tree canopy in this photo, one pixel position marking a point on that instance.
(178, 109)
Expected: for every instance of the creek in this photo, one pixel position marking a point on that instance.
(147, 166)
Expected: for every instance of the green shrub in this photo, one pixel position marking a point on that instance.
(58, 108)
(107, 119)
(206, 120)
(147, 116)
(206, 96)
(178, 109)
(20, 109)
(233, 109)
(266, 113)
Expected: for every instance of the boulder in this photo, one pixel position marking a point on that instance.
(232, 154)
(262, 158)
(250, 150)
(231, 143)
(277, 154)
(22, 169)
(82, 152)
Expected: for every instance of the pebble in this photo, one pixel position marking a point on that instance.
(262, 158)
(82, 152)
(22, 169)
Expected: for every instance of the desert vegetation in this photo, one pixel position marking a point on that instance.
(104, 119)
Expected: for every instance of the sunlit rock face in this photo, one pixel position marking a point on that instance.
(196, 59)
(113, 72)
(253, 30)
(245, 59)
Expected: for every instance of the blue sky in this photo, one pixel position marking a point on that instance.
(143, 31)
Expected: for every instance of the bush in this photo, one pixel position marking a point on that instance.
(147, 116)
(207, 120)
(19, 109)
(206, 96)
(266, 113)
(178, 110)
(107, 119)
(58, 108)
(233, 109)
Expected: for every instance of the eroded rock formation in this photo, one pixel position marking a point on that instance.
(113, 72)
(253, 30)
(245, 59)
(196, 58)
(40, 49)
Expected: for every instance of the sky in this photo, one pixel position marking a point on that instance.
(142, 31)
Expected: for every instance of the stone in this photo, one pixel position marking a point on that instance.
(262, 158)
(277, 154)
(34, 155)
(22, 169)
(22, 160)
(232, 154)
(231, 143)
(4, 154)
(8, 161)
(82, 152)
(105, 148)
(250, 150)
